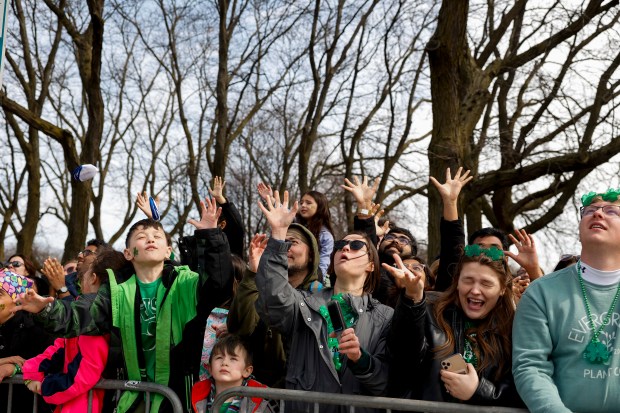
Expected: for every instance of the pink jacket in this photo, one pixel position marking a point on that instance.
(68, 369)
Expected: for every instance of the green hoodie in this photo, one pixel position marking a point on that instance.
(267, 344)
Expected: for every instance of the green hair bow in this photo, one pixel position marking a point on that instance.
(610, 196)
(476, 250)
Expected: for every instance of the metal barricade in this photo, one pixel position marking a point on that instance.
(353, 401)
(117, 385)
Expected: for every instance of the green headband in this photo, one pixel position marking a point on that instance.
(476, 250)
(610, 196)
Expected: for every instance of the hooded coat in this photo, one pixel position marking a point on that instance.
(267, 344)
(182, 295)
(310, 365)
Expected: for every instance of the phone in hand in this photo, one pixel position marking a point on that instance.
(455, 363)
(335, 313)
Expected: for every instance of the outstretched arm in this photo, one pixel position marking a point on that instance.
(214, 265)
(231, 224)
(363, 195)
(527, 256)
(450, 191)
(144, 204)
(277, 299)
(452, 233)
(71, 318)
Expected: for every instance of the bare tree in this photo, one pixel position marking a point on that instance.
(84, 28)
(510, 99)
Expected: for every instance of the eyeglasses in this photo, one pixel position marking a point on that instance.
(86, 252)
(415, 267)
(401, 239)
(355, 244)
(14, 264)
(610, 210)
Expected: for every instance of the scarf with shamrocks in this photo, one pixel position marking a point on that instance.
(350, 319)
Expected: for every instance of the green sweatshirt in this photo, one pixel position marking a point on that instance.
(550, 333)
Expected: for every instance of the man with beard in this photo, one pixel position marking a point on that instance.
(398, 241)
(66, 286)
(243, 319)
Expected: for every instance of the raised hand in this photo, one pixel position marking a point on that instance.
(218, 190)
(411, 282)
(278, 214)
(527, 256)
(362, 193)
(32, 302)
(257, 247)
(450, 191)
(381, 230)
(54, 273)
(142, 201)
(209, 214)
(264, 191)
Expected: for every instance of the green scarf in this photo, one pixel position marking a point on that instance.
(350, 319)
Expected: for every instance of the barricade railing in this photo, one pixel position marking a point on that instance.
(353, 401)
(117, 385)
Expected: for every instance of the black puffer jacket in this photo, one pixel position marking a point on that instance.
(414, 370)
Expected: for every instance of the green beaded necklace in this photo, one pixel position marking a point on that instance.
(596, 352)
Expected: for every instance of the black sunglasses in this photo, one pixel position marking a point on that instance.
(355, 244)
(14, 264)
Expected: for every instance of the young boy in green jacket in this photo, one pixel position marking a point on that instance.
(150, 308)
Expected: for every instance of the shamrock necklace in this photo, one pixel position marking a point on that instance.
(596, 352)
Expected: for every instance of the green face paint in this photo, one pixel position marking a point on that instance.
(135, 252)
(2, 307)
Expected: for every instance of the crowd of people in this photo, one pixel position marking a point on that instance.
(362, 315)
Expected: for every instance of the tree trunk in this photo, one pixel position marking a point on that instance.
(446, 54)
(88, 52)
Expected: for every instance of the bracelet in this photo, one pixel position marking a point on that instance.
(16, 370)
(364, 212)
(27, 382)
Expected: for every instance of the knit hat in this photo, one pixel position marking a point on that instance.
(14, 284)
(294, 230)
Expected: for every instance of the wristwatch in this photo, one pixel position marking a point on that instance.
(63, 290)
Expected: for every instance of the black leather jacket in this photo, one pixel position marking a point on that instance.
(414, 370)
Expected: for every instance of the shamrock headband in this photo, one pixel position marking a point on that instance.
(476, 250)
(14, 284)
(610, 196)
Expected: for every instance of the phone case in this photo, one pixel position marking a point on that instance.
(455, 363)
(335, 313)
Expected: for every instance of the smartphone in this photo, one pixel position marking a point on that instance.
(335, 313)
(455, 363)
